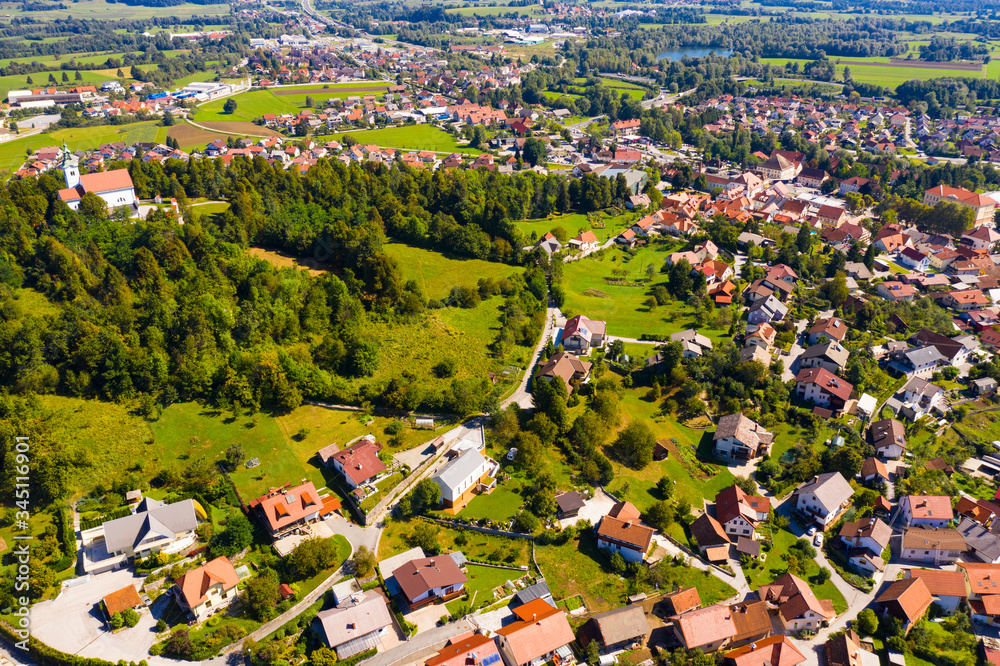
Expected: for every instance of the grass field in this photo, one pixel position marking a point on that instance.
(877, 70)
(477, 546)
(437, 274)
(529, 10)
(500, 505)
(39, 79)
(14, 152)
(104, 438)
(410, 137)
(255, 103)
(590, 290)
(482, 581)
(102, 10)
(691, 483)
(574, 224)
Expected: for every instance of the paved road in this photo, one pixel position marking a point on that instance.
(522, 396)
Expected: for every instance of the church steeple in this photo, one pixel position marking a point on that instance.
(70, 167)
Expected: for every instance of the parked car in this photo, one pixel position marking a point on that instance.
(812, 530)
(818, 539)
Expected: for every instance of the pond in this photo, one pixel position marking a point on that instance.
(692, 53)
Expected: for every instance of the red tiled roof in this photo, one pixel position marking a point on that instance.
(541, 630)
(122, 600)
(195, 583)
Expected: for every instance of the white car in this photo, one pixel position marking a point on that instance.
(818, 539)
(512, 453)
(812, 530)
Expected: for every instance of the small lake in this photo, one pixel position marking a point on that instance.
(692, 53)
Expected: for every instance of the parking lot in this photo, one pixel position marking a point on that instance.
(74, 622)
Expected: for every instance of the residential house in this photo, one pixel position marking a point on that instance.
(540, 633)
(681, 600)
(919, 397)
(766, 310)
(710, 537)
(812, 177)
(284, 510)
(981, 205)
(984, 385)
(865, 541)
(927, 510)
(981, 239)
(152, 527)
(845, 650)
(356, 624)
(965, 300)
(427, 580)
(983, 583)
(916, 362)
(948, 588)
(740, 513)
(359, 462)
(736, 436)
(796, 604)
(569, 369)
(955, 351)
(752, 621)
(874, 472)
(932, 545)
(204, 590)
(895, 291)
(823, 388)
(707, 629)
(888, 436)
(915, 259)
(826, 330)
(624, 533)
(464, 477)
(581, 334)
(120, 601)
(616, 629)
(831, 216)
(693, 343)
(829, 355)
(586, 241)
(468, 649)
(778, 167)
(980, 541)
(823, 498)
(773, 651)
(907, 600)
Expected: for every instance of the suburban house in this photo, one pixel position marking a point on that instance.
(830, 356)
(907, 600)
(893, 290)
(616, 629)
(752, 621)
(796, 605)
(773, 651)
(359, 462)
(823, 388)
(580, 335)
(567, 367)
(586, 241)
(916, 362)
(468, 649)
(888, 436)
(915, 259)
(426, 580)
(532, 592)
(284, 510)
(865, 541)
(540, 633)
(823, 498)
(846, 650)
(932, 545)
(927, 510)
(739, 437)
(693, 342)
(152, 528)
(740, 513)
(874, 471)
(707, 629)
(766, 310)
(120, 601)
(919, 397)
(984, 590)
(980, 541)
(621, 532)
(205, 589)
(825, 330)
(466, 476)
(948, 588)
(356, 624)
(710, 537)
(762, 336)
(682, 600)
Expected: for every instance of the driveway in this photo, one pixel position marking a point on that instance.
(522, 396)
(593, 509)
(74, 623)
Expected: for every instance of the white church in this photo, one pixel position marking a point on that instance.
(115, 187)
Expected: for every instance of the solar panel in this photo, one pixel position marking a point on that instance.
(491, 659)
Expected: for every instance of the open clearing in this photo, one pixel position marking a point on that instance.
(352, 88)
(437, 274)
(14, 152)
(411, 137)
(103, 10)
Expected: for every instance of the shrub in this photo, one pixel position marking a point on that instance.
(130, 617)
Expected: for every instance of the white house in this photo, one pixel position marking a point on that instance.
(206, 589)
(888, 436)
(739, 437)
(468, 475)
(927, 510)
(823, 498)
(935, 546)
(356, 624)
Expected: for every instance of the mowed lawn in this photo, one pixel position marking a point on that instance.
(591, 290)
(39, 79)
(249, 106)
(13, 153)
(775, 566)
(502, 504)
(437, 274)
(476, 546)
(410, 137)
(187, 433)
